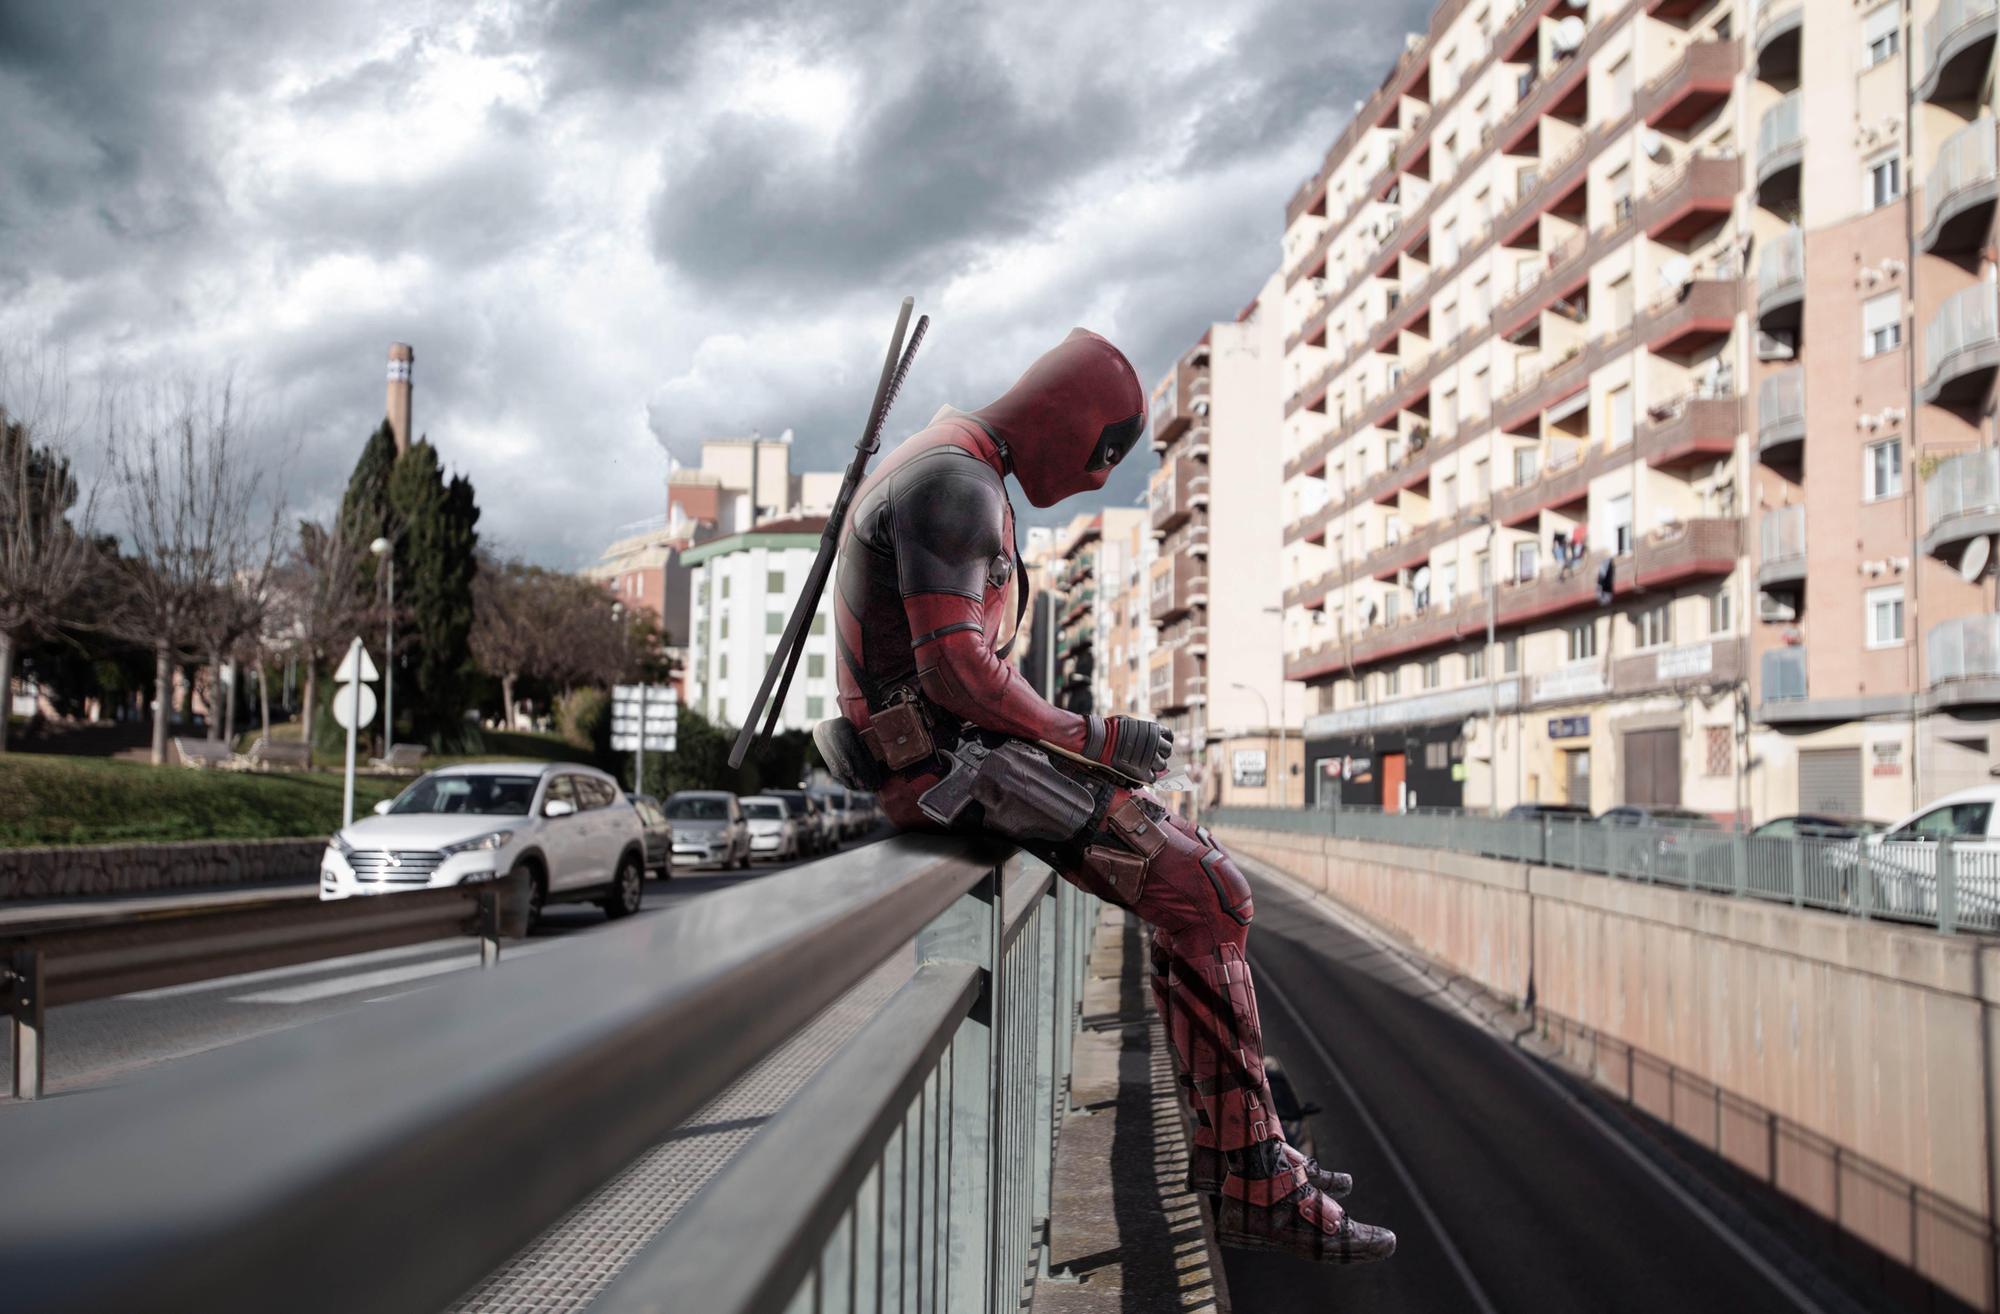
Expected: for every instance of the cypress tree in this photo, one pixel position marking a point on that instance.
(436, 559)
(365, 513)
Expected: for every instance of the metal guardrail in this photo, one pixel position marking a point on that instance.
(387, 1159)
(44, 966)
(1950, 883)
(1781, 534)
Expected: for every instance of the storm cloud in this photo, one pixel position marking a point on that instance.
(613, 228)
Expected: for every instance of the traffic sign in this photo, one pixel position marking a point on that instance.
(356, 665)
(353, 705)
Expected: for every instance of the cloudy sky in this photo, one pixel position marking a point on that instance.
(612, 228)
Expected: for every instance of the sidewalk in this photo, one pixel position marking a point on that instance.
(1125, 1234)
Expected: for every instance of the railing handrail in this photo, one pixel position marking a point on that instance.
(1966, 318)
(1782, 126)
(444, 1108)
(1967, 482)
(1783, 261)
(1782, 533)
(1967, 156)
(1963, 648)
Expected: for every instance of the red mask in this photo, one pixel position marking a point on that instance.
(1070, 418)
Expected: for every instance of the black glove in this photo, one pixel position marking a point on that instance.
(1142, 747)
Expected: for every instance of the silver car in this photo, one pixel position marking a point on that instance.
(709, 829)
(774, 832)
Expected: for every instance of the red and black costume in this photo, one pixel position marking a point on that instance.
(929, 597)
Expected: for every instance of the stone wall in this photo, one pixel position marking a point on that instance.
(1845, 1062)
(84, 870)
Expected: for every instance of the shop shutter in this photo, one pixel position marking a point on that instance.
(1830, 781)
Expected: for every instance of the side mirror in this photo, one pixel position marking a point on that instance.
(558, 807)
(382, 808)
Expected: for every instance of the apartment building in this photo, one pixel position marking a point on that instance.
(1093, 571)
(1128, 621)
(1870, 191)
(744, 588)
(1216, 676)
(1515, 423)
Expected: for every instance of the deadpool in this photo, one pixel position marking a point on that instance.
(928, 598)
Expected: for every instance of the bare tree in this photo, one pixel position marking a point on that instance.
(46, 561)
(316, 594)
(507, 638)
(200, 513)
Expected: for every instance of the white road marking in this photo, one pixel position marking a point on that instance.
(1322, 904)
(223, 983)
(313, 991)
(1268, 984)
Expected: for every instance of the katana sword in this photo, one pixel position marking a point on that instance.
(785, 661)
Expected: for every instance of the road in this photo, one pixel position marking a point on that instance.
(1504, 1194)
(90, 1044)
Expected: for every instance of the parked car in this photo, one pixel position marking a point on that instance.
(1536, 811)
(839, 811)
(870, 808)
(1903, 861)
(659, 834)
(1818, 825)
(709, 829)
(568, 828)
(774, 834)
(815, 834)
(1657, 842)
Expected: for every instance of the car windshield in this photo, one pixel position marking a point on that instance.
(763, 809)
(487, 796)
(685, 807)
(795, 804)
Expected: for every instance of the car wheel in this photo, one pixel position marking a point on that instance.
(628, 887)
(538, 897)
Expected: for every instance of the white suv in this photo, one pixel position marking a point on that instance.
(570, 828)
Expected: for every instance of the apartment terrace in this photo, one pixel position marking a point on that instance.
(1691, 550)
(1960, 191)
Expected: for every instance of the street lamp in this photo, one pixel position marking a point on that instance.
(383, 548)
(1277, 771)
(1284, 769)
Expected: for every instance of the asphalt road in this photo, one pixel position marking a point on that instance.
(1503, 1193)
(90, 1044)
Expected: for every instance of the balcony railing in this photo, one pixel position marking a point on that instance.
(1967, 159)
(1961, 488)
(1967, 648)
(1781, 409)
(1780, 139)
(1781, 269)
(1952, 31)
(1781, 536)
(1784, 671)
(1966, 322)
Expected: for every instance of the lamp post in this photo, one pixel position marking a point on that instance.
(384, 549)
(1278, 771)
(1284, 768)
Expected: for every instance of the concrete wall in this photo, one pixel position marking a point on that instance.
(1843, 1061)
(56, 873)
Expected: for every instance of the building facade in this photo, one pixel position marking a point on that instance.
(1224, 698)
(744, 587)
(1091, 570)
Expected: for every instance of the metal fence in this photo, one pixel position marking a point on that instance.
(1967, 648)
(1966, 319)
(1947, 882)
(1967, 157)
(1965, 484)
(388, 1159)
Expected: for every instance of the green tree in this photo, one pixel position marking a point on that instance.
(436, 562)
(365, 512)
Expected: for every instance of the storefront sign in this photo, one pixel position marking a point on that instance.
(1888, 759)
(1569, 727)
(1247, 768)
(1580, 681)
(1687, 662)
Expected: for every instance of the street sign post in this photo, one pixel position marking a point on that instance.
(353, 707)
(644, 717)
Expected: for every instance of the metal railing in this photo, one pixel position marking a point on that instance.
(1951, 17)
(1966, 319)
(1782, 127)
(1965, 484)
(1781, 535)
(1947, 882)
(1967, 648)
(1784, 675)
(1968, 156)
(1782, 264)
(912, 1172)
(1781, 400)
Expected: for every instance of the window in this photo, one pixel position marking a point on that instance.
(1721, 611)
(725, 624)
(1524, 561)
(819, 623)
(774, 581)
(725, 586)
(1448, 496)
(1446, 419)
(774, 622)
(1480, 303)
(1433, 672)
(815, 666)
(1475, 664)
(1583, 641)
(1882, 470)
(1716, 761)
(1479, 394)
(1620, 515)
(1618, 186)
(1527, 460)
(815, 709)
(722, 666)
(1881, 35)
(1884, 610)
(1392, 681)
(1510, 654)
(1482, 479)
(1621, 416)
(1654, 625)
(1437, 755)
(1959, 820)
(1884, 181)
(1881, 324)
(1447, 323)
(1391, 604)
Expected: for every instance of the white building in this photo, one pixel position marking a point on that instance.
(744, 588)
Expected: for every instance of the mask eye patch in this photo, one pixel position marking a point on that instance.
(1116, 440)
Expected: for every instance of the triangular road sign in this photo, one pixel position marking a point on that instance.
(347, 674)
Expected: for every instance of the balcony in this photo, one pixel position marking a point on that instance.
(1312, 593)
(1959, 41)
(1709, 662)
(1961, 501)
(1694, 85)
(1962, 662)
(1781, 282)
(1163, 495)
(1774, 40)
(1781, 417)
(1690, 429)
(1960, 190)
(1781, 557)
(1563, 480)
(1783, 672)
(1781, 150)
(1534, 390)
(1414, 546)
(1178, 682)
(1182, 586)
(1568, 265)
(1179, 408)
(1962, 348)
(1700, 313)
(1694, 198)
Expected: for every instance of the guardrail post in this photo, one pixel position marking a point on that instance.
(1739, 862)
(1047, 1099)
(969, 932)
(24, 1006)
(1864, 879)
(1798, 852)
(1947, 886)
(1543, 858)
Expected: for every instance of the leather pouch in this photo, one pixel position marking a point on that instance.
(1026, 798)
(1131, 823)
(1123, 871)
(901, 735)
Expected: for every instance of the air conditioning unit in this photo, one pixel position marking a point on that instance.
(1892, 415)
(1868, 422)
(1318, 286)
(1781, 345)
(1774, 609)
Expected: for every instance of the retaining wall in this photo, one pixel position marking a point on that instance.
(57, 873)
(1845, 1062)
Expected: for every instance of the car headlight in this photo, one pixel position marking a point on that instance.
(483, 844)
(339, 845)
